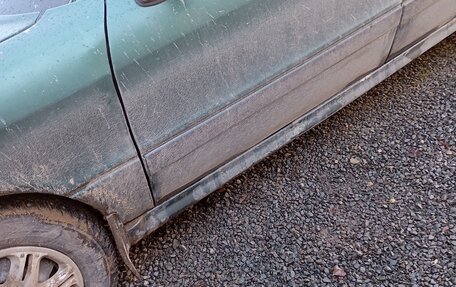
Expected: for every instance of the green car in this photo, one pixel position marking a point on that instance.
(116, 115)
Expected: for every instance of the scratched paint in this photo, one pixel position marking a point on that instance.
(156, 217)
(61, 122)
(180, 61)
(180, 64)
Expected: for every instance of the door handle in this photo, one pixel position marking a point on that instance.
(149, 2)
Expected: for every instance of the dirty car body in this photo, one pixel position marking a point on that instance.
(138, 109)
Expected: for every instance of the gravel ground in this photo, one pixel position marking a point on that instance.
(366, 198)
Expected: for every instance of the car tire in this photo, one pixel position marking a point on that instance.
(63, 237)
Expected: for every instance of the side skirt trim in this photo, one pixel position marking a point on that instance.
(154, 218)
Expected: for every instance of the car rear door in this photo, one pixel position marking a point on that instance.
(204, 80)
(421, 17)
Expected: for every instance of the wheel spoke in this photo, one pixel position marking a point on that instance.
(33, 269)
(70, 282)
(17, 268)
(63, 274)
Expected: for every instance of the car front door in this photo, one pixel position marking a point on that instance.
(205, 80)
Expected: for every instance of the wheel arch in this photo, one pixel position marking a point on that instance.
(76, 203)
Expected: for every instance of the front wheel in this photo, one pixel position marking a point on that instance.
(53, 243)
